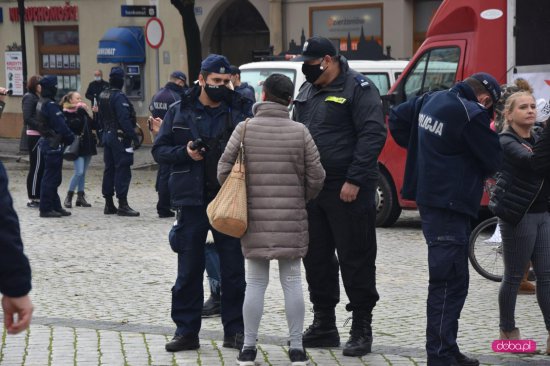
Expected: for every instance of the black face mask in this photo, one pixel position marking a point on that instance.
(216, 93)
(312, 72)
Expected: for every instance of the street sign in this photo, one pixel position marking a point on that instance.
(138, 10)
(154, 32)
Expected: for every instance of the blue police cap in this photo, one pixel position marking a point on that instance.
(48, 81)
(216, 63)
(489, 83)
(178, 75)
(116, 73)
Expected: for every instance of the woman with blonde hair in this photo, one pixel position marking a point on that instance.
(520, 200)
(80, 122)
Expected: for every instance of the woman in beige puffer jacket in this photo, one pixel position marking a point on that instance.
(283, 172)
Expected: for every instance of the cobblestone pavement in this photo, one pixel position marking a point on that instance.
(101, 289)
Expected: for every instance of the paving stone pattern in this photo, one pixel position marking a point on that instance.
(101, 289)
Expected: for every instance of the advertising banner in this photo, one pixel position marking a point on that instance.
(14, 71)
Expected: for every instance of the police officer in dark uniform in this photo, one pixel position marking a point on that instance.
(165, 97)
(92, 94)
(119, 120)
(343, 112)
(240, 87)
(451, 150)
(15, 271)
(55, 136)
(209, 111)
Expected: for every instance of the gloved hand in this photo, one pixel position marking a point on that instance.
(135, 143)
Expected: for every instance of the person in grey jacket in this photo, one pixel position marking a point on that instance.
(283, 172)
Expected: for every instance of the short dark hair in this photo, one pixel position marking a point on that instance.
(204, 74)
(278, 88)
(477, 87)
(33, 83)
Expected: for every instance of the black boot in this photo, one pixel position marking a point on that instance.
(360, 340)
(212, 306)
(69, 200)
(124, 209)
(110, 208)
(322, 332)
(81, 201)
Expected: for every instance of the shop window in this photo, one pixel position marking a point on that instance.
(424, 11)
(59, 54)
(435, 70)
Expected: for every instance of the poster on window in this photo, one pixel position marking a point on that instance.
(65, 61)
(14, 71)
(59, 61)
(52, 62)
(45, 62)
(355, 30)
(72, 61)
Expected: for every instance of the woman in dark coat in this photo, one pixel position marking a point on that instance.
(520, 200)
(80, 122)
(36, 167)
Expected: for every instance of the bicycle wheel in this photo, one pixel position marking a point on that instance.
(485, 250)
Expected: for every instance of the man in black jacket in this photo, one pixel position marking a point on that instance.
(343, 112)
(92, 94)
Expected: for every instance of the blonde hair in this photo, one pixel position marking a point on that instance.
(67, 98)
(511, 103)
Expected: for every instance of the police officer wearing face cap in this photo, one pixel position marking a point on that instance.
(119, 120)
(166, 96)
(451, 151)
(342, 110)
(209, 111)
(55, 135)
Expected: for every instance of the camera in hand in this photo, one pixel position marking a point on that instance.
(7, 92)
(200, 145)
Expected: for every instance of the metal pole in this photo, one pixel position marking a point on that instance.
(158, 69)
(21, 8)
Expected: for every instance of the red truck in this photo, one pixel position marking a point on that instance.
(508, 39)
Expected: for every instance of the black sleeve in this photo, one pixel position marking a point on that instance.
(90, 92)
(15, 271)
(369, 125)
(28, 104)
(483, 143)
(402, 118)
(165, 151)
(540, 161)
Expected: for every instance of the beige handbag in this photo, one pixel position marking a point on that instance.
(228, 212)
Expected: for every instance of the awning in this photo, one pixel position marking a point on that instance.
(122, 45)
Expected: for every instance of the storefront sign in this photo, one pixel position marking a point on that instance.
(138, 11)
(14, 71)
(46, 13)
(339, 21)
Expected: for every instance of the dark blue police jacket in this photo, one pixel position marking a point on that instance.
(55, 120)
(247, 91)
(164, 98)
(193, 183)
(451, 148)
(120, 114)
(15, 272)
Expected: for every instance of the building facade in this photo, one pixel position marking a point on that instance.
(71, 39)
